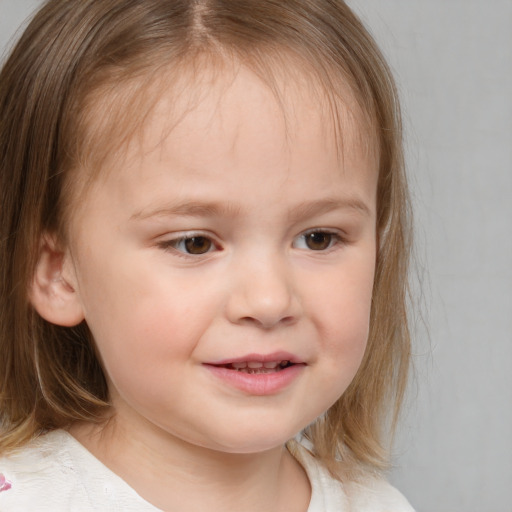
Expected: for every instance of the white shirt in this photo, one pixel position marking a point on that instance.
(55, 473)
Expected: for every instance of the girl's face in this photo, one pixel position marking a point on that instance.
(225, 267)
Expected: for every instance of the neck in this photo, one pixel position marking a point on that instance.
(174, 475)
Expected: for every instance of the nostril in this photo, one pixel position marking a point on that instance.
(267, 323)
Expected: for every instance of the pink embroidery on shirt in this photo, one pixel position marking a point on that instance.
(5, 485)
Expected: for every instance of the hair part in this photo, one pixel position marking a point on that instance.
(86, 69)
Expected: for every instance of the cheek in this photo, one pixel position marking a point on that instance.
(346, 298)
(144, 351)
(152, 321)
(344, 320)
(145, 329)
(346, 345)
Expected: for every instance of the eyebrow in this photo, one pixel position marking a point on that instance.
(190, 209)
(206, 209)
(313, 208)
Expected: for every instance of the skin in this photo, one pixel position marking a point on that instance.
(260, 177)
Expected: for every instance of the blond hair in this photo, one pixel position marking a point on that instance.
(71, 52)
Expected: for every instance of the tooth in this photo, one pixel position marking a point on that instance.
(270, 364)
(284, 363)
(254, 364)
(239, 366)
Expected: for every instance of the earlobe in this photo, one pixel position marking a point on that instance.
(52, 292)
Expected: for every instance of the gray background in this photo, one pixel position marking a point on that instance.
(453, 63)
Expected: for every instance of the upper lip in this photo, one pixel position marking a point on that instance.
(260, 358)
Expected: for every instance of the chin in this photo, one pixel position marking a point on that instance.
(253, 441)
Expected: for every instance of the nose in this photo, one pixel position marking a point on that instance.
(262, 293)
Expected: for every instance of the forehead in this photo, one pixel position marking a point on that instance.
(151, 114)
(118, 115)
(232, 139)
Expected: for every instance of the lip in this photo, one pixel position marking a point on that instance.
(260, 358)
(258, 384)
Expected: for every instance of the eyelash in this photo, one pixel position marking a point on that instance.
(173, 244)
(334, 239)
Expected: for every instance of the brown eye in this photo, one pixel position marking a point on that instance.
(318, 241)
(197, 245)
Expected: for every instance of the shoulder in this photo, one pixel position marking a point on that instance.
(30, 473)
(369, 493)
(375, 494)
(55, 473)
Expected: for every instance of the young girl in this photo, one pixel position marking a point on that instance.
(203, 259)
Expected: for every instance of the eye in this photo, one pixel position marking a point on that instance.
(317, 240)
(197, 245)
(194, 245)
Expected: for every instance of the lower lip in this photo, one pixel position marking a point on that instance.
(258, 384)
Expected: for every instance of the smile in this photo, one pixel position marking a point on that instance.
(257, 367)
(257, 374)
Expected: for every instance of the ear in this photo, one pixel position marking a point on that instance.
(53, 290)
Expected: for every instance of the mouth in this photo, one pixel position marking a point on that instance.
(257, 367)
(258, 374)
